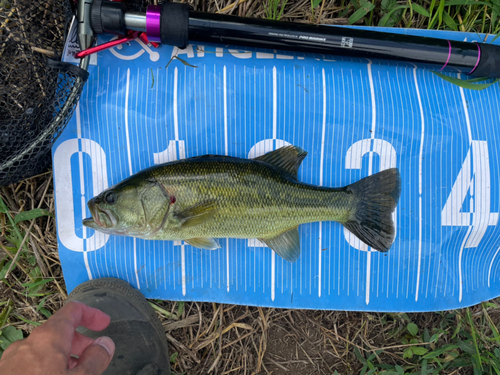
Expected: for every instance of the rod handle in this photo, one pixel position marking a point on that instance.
(108, 17)
(174, 24)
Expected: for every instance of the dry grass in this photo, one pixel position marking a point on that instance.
(215, 338)
(294, 11)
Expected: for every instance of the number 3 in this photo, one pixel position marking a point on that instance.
(354, 157)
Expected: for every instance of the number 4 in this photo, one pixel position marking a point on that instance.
(474, 177)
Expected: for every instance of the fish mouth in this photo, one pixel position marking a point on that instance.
(90, 223)
(101, 219)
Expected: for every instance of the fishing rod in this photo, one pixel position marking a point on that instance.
(177, 25)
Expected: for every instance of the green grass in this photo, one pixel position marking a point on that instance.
(456, 15)
(480, 17)
(275, 8)
(21, 257)
(461, 341)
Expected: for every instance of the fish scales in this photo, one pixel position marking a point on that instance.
(212, 196)
(254, 199)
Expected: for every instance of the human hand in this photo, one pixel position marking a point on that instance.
(48, 349)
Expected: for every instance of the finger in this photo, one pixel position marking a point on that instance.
(79, 314)
(59, 329)
(80, 343)
(95, 358)
(12, 348)
(75, 314)
(72, 362)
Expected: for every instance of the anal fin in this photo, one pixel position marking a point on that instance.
(286, 244)
(203, 243)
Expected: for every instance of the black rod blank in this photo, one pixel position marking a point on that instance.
(179, 25)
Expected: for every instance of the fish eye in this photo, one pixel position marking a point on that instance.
(110, 197)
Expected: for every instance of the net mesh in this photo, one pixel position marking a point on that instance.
(37, 94)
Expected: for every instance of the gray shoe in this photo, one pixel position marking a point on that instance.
(141, 345)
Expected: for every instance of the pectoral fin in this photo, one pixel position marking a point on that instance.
(196, 214)
(286, 244)
(203, 243)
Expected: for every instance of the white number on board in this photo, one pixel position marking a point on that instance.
(474, 177)
(175, 151)
(354, 158)
(64, 192)
(258, 149)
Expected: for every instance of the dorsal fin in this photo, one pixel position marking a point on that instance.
(211, 156)
(204, 156)
(287, 158)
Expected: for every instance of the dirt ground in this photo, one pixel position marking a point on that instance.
(216, 338)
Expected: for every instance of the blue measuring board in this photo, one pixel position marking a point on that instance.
(353, 117)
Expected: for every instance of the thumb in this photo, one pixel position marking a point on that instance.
(95, 358)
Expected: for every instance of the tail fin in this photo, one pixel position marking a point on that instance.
(375, 198)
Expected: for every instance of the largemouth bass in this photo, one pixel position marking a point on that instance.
(207, 197)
